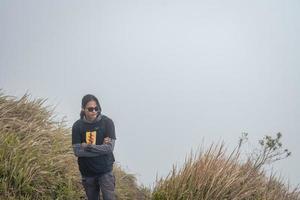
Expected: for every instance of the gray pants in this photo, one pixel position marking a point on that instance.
(105, 183)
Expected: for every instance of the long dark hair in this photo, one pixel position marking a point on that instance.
(87, 98)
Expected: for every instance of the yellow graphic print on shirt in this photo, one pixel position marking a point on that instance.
(90, 137)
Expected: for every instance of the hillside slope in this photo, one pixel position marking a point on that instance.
(36, 158)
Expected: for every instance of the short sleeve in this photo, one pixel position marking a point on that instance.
(76, 135)
(110, 129)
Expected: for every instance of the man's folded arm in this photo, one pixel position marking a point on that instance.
(101, 149)
(81, 152)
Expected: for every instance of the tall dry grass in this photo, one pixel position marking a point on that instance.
(127, 188)
(37, 162)
(36, 158)
(215, 175)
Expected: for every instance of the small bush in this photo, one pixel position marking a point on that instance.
(215, 175)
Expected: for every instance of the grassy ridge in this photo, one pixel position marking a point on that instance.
(37, 162)
(36, 158)
(215, 175)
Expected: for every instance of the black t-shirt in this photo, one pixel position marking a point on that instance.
(94, 133)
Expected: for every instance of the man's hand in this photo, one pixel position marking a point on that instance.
(106, 140)
(83, 145)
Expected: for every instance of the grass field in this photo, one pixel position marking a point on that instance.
(37, 162)
(36, 157)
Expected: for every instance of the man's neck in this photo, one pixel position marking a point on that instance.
(92, 120)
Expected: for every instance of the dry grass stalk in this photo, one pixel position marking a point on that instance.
(214, 175)
(36, 158)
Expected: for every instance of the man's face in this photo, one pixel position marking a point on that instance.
(91, 110)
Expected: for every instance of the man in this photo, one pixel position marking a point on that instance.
(93, 139)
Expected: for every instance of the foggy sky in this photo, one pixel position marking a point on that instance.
(169, 73)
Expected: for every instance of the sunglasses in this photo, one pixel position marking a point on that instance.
(92, 109)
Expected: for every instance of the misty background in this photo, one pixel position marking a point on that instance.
(171, 74)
